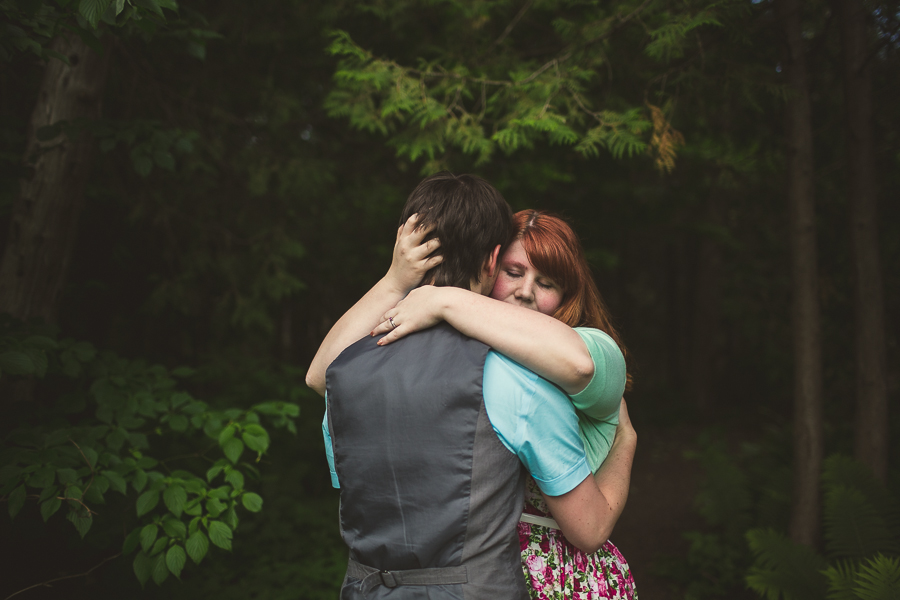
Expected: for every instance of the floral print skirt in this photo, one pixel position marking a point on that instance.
(557, 570)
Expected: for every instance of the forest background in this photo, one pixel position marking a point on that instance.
(191, 194)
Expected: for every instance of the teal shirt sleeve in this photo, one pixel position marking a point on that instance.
(600, 399)
(329, 448)
(537, 423)
(598, 403)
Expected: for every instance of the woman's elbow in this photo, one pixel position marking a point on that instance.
(582, 372)
(593, 542)
(316, 382)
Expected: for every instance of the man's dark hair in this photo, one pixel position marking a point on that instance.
(470, 216)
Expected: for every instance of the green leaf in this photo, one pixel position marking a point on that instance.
(92, 10)
(143, 165)
(236, 479)
(81, 519)
(215, 507)
(174, 528)
(213, 471)
(131, 541)
(148, 536)
(227, 434)
(120, 6)
(175, 498)
(116, 482)
(220, 534)
(160, 569)
(151, 5)
(256, 443)
(230, 517)
(178, 423)
(158, 547)
(42, 477)
(143, 567)
(49, 508)
(252, 502)
(164, 160)
(16, 363)
(16, 501)
(233, 449)
(67, 476)
(139, 481)
(197, 546)
(147, 502)
(175, 559)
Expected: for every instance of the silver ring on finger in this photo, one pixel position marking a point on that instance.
(391, 320)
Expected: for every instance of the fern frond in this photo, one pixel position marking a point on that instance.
(841, 577)
(879, 579)
(784, 569)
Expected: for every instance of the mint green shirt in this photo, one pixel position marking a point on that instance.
(597, 405)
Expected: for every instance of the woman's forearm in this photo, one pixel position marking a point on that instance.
(539, 342)
(614, 475)
(355, 324)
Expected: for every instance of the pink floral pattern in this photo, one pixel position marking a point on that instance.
(557, 570)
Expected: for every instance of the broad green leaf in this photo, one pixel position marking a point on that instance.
(16, 501)
(175, 559)
(236, 479)
(49, 508)
(131, 541)
(147, 502)
(92, 10)
(67, 476)
(148, 536)
(230, 517)
(174, 528)
(227, 434)
(256, 443)
(116, 482)
(197, 546)
(220, 534)
(81, 519)
(159, 546)
(143, 567)
(48, 492)
(42, 478)
(139, 481)
(175, 498)
(215, 507)
(213, 471)
(16, 363)
(233, 449)
(252, 502)
(178, 423)
(120, 5)
(160, 570)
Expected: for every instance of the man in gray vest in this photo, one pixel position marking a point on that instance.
(426, 436)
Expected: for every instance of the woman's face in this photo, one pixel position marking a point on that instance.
(520, 283)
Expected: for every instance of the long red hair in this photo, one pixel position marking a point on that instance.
(554, 250)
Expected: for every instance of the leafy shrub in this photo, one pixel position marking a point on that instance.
(96, 438)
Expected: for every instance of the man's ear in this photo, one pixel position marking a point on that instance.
(492, 263)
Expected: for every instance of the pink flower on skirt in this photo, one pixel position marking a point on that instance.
(535, 563)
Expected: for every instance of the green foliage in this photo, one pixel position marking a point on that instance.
(122, 406)
(496, 99)
(862, 541)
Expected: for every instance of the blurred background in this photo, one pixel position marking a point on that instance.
(191, 194)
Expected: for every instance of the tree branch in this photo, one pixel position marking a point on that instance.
(48, 582)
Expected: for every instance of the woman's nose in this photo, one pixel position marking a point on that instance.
(525, 291)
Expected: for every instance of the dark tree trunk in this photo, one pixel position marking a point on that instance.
(871, 424)
(808, 432)
(44, 219)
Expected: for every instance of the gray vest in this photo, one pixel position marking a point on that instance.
(430, 497)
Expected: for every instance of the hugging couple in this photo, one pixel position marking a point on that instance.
(485, 349)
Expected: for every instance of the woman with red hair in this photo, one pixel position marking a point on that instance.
(552, 320)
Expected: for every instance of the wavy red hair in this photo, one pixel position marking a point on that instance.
(554, 250)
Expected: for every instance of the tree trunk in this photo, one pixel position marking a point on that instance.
(44, 219)
(808, 431)
(871, 424)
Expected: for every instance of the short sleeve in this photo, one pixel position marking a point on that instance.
(535, 421)
(600, 399)
(329, 448)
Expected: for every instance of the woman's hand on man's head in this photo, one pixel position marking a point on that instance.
(420, 309)
(412, 258)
